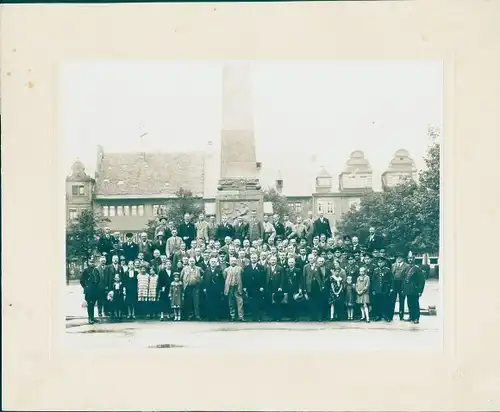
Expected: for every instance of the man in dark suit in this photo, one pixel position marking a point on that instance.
(105, 244)
(114, 269)
(413, 288)
(380, 287)
(313, 286)
(254, 284)
(187, 230)
(275, 282)
(213, 288)
(293, 285)
(399, 271)
(90, 283)
(279, 228)
(322, 226)
(240, 229)
(130, 248)
(355, 246)
(374, 241)
(161, 244)
(223, 230)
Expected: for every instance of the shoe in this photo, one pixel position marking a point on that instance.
(241, 320)
(367, 321)
(129, 317)
(416, 322)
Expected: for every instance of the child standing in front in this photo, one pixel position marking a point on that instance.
(350, 296)
(363, 299)
(118, 297)
(176, 295)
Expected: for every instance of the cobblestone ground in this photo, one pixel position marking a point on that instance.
(149, 335)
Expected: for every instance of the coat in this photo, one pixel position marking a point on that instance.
(310, 276)
(224, 230)
(254, 279)
(280, 229)
(414, 281)
(187, 232)
(213, 282)
(105, 244)
(255, 230)
(399, 272)
(130, 283)
(90, 283)
(161, 245)
(275, 279)
(375, 243)
(381, 282)
(241, 231)
(293, 280)
(176, 294)
(322, 226)
(130, 251)
(167, 233)
(233, 276)
(146, 248)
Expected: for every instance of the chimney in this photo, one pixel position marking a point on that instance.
(279, 183)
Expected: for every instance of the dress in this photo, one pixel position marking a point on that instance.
(130, 282)
(350, 293)
(142, 287)
(362, 287)
(335, 290)
(176, 293)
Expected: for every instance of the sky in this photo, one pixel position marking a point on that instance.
(319, 111)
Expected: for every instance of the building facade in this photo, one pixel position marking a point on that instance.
(132, 188)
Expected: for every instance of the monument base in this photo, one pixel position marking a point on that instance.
(238, 198)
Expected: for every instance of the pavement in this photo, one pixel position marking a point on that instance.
(146, 335)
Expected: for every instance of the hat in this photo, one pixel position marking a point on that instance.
(163, 218)
(129, 234)
(350, 257)
(160, 234)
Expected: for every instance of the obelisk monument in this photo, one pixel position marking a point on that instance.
(238, 189)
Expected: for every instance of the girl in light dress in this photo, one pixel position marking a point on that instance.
(363, 297)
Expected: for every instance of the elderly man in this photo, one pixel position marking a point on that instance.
(255, 228)
(275, 283)
(90, 283)
(399, 271)
(313, 285)
(146, 247)
(105, 244)
(309, 224)
(213, 287)
(413, 287)
(269, 230)
(202, 228)
(233, 289)
(374, 241)
(187, 230)
(212, 228)
(254, 283)
(130, 248)
(191, 279)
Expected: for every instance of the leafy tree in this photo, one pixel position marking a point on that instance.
(280, 202)
(407, 215)
(82, 235)
(176, 208)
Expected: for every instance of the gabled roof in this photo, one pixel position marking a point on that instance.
(150, 173)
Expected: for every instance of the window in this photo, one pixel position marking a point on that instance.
(156, 210)
(78, 190)
(140, 209)
(329, 208)
(298, 207)
(126, 210)
(133, 210)
(73, 214)
(321, 207)
(105, 211)
(111, 210)
(119, 210)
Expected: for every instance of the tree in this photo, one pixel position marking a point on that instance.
(82, 235)
(407, 214)
(176, 208)
(280, 203)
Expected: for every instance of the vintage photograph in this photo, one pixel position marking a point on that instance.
(252, 204)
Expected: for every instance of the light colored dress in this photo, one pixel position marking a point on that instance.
(362, 287)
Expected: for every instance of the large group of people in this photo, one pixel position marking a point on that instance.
(273, 269)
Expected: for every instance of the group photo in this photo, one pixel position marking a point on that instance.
(207, 205)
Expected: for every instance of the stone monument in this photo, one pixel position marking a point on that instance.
(239, 191)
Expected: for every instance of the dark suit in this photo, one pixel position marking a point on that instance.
(253, 281)
(313, 285)
(280, 230)
(399, 273)
(374, 243)
(102, 289)
(111, 271)
(161, 245)
(187, 232)
(293, 282)
(322, 227)
(241, 231)
(130, 251)
(105, 246)
(381, 283)
(275, 279)
(146, 248)
(90, 283)
(213, 285)
(224, 230)
(413, 287)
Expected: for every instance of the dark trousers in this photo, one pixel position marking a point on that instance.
(381, 306)
(91, 308)
(316, 307)
(292, 308)
(192, 301)
(213, 306)
(275, 309)
(256, 305)
(414, 306)
(397, 293)
(101, 302)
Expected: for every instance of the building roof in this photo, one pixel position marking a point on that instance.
(402, 162)
(322, 172)
(150, 173)
(78, 173)
(357, 163)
